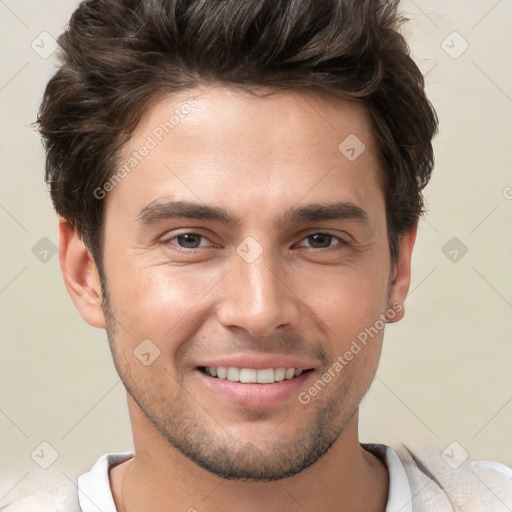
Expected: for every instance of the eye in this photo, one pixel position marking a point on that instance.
(188, 241)
(323, 240)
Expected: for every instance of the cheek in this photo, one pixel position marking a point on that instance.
(348, 302)
(160, 301)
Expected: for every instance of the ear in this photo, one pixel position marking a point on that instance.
(80, 274)
(399, 287)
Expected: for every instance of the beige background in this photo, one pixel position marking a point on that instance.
(446, 368)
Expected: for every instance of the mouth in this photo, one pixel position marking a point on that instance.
(255, 379)
(254, 387)
(253, 375)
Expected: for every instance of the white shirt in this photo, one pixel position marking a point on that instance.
(94, 491)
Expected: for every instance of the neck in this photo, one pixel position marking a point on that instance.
(159, 477)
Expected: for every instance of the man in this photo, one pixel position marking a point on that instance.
(239, 185)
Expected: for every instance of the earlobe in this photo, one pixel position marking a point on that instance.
(80, 275)
(402, 275)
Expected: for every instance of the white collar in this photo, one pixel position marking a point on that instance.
(399, 495)
(95, 495)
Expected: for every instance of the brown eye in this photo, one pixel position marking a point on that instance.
(323, 241)
(188, 240)
(320, 240)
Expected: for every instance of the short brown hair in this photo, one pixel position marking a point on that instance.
(121, 55)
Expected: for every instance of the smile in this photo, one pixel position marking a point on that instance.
(252, 375)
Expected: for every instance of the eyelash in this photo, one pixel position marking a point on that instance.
(341, 242)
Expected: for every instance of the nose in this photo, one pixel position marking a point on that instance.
(256, 297)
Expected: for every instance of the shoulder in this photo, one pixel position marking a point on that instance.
(444, 478)
(42, 498)
(55, 494)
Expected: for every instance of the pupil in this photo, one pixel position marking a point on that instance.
(189, 240)
(320, 237)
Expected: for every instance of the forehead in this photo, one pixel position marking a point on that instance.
(225, 145)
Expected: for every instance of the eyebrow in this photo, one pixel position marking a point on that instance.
(166, 210)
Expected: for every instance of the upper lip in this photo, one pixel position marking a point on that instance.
(259, 361)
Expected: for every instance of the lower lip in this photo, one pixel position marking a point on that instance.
(255, 395)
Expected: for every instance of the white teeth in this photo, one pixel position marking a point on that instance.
(248, 375)
(266, 376)
(251, 375)
(233, 374)
(279, 374)
(290, 373)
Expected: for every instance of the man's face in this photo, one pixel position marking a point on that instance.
(282, 282)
